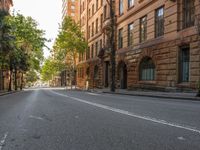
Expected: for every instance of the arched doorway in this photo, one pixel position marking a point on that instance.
(122, 72)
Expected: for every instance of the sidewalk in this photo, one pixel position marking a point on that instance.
(2, 93)
(171, 95)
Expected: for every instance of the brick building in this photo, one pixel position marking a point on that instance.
(157, 44)
(70, 8)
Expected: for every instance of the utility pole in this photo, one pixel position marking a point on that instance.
(112, 44)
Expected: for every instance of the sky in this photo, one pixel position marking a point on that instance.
(46, 12)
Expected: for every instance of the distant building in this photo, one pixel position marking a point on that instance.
(70, 8)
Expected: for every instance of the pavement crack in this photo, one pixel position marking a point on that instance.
(3, 140)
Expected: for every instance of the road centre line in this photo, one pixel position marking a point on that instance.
(3, 140)
(120, 111)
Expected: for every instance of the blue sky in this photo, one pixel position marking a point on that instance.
(46, 12)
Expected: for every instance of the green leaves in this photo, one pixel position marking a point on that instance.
(70, 40)
(21, 43)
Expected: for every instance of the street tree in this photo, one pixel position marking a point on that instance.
(28, 46)
(69, 44)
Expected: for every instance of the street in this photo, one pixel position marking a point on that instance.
(56, 119)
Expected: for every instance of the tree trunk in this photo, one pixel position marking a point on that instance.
(15, 79)
(22, 81)
(10, 81)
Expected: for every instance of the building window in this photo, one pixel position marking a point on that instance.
(93, 9)
(93, 29)
(89, 13)
(92, 51)
(101, 21)
(143, 29)
(72, 7)
(130, 3)
(130, 34)
(121, 7)
(89, 32)
(96, 48)
(147, 69)
(105, 12)
(97, 25)
(88, 53)
(120, 38)
(96, 71)
(100, 45)
(188, 13)
(97, 4)
(159, 22)
(184, 62)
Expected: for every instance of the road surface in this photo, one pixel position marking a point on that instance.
(56, 119)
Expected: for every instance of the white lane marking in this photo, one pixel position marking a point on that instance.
(120, 111)
(3, 140)
(181, 138)
(35, 117)
(95, 94)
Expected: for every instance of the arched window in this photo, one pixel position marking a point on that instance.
(96, 71)
(147, 69)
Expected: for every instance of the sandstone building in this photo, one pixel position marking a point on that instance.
(157, 44)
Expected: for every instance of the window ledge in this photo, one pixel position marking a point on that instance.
(129, 8)
(147, 82)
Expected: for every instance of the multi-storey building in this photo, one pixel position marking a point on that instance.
(157, 44)
(4, 74)
(70, 8)
(91, 69)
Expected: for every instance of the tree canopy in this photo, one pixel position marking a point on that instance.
(21, 44)
(69, 43)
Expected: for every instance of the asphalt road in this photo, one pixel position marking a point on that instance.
(50, 119)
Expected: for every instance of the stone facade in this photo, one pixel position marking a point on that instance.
(166, 53)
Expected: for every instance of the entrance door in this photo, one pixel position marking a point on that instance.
(123, 76)
(106, 74)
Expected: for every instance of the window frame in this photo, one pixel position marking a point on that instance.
(143, 35)
(131, 2)
(147, 70)
(120, 38)
(159, 23)
(183, 79)
(121, 7)
(130, 38)
(188, 11)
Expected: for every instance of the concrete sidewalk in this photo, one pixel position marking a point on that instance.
(172, 95)
(2, 93)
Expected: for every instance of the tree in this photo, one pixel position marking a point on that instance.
(28, 45)
(31, 76)
(69, 44)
